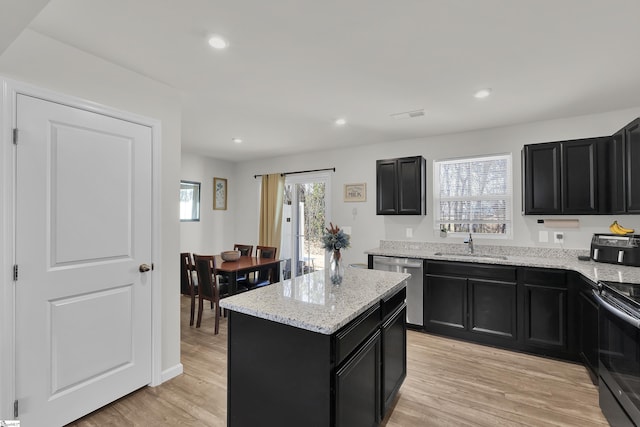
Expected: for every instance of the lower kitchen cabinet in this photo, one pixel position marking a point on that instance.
(357, 385)
(545, 311)
(588, 327)
(520, 308)
(394, 356)
(476, 302)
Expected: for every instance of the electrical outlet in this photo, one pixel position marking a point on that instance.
(558, 237)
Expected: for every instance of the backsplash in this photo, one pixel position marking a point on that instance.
(460, 248)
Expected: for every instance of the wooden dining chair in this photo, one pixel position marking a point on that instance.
(245, 250)
(188, 283)
(208, 289)
(264, 277)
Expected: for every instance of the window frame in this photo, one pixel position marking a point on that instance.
(508, 197)
(195, 209)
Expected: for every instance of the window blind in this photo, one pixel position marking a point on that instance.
(473, 195)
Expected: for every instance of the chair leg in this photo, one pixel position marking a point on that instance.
(193, 309)
(217, 324)
(200, 307)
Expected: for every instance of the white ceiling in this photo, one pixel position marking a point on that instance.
(293, 66)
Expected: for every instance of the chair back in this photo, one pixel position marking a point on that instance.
(205, 268)
(186, 269)
(245, 250)
(268, 252)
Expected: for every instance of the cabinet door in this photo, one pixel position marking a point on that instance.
(394, 357)
(545, 317)
(410, 187)
(632, 145)
(542, 178)
(588, 332)
(492, 308)
(358, 387)
(445, 303)
(386, 187)
(615, 180)
(579, 177)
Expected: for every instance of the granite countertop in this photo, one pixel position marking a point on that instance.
(511, 255)
(311, 302)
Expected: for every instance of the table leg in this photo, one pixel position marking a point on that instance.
(233, 282)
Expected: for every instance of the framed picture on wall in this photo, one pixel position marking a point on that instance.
(355, 192)
(220, 194)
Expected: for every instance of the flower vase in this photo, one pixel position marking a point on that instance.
(336, 268)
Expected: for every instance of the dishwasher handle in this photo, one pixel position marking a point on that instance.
(396, 263)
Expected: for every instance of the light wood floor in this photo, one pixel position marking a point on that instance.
(449, 383)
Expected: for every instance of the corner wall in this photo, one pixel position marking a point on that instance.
(214, 232)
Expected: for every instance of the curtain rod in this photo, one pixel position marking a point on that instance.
(293, 173)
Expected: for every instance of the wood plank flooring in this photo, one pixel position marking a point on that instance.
(449, 383)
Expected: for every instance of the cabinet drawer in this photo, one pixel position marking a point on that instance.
(356, 332)
(499, 273)
(545, 277)
(391, 304)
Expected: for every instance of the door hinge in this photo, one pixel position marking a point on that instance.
(15, 409)
(15, 272)
(15, 136)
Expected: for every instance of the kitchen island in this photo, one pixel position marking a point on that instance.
(305, 352)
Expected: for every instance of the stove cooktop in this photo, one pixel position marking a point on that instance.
(629, 291)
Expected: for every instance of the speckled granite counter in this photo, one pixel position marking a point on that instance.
(511, 255)
(310, 302)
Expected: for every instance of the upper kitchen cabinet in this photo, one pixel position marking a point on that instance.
(624, 175)
(400, 186)
(565, 177)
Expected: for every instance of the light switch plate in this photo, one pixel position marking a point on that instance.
(409, 232)
(543, 236)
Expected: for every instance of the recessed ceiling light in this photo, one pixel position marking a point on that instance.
(483, 93)
(341, 122)
(237, 140)
(218, 42)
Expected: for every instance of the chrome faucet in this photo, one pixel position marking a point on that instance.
(469, 241)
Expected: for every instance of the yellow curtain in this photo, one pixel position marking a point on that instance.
(271, 199)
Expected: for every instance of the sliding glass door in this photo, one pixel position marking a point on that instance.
(304, 219)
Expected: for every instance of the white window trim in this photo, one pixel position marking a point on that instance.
(508, 198)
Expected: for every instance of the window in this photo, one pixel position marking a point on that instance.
(189, 201)
(473, 195)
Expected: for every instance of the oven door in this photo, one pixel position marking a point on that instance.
(619, 360)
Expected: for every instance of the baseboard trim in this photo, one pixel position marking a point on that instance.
(172, 372)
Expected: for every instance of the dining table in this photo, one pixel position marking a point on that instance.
(246, 264)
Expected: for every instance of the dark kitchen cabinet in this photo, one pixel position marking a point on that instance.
(566, 177)
(477, 302)
(357, 385)
(545, 311)
(394, 356)
(588, 327)
(542, 178)
(624, 174)
(400, 186)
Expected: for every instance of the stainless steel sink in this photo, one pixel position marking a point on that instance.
(471, 255)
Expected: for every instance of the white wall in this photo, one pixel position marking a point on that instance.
(51, 65)
(358, 165)
(215, 231)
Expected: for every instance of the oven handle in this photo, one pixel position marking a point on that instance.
(613, 310)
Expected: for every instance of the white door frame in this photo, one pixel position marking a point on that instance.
(10, 90)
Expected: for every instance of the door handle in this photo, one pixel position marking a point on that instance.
(144, 268)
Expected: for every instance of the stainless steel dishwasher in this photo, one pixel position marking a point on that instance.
(414, 283)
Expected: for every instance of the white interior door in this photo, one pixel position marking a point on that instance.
(83, 228)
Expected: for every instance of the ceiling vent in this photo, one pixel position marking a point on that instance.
(408, 114)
